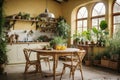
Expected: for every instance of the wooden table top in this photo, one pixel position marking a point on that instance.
(66, 50)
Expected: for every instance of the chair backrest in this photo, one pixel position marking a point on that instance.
(27, 53)
(77, 57)
(80, 55)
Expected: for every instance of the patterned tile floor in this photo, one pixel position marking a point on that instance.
(15, 72)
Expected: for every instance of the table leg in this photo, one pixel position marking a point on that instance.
(54, 66)
(38, 58)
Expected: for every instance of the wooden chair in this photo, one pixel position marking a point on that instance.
(27, 53)
(46, 59)
(74, 64)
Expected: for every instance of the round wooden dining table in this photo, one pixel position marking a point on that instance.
(55, 54)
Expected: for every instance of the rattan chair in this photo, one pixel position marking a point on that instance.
(74, 64)
(36, 63)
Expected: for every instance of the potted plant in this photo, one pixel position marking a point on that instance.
(102, 34)
(97, 59)
(19, 15)
(76, 38)
(43, 38)
(95, 33)
(3, 56)
(86, 36)
(105, 58)
(26, 16)
(57, 41)
(114, 49)
(88, 59)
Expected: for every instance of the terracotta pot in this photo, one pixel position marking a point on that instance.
(113, 65)
(105, 63)
(96, 62)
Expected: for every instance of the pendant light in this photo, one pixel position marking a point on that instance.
(46, 14)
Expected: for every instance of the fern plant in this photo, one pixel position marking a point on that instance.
(62, 28)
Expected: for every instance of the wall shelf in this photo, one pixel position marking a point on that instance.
(42, 24)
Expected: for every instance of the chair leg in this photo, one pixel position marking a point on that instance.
(45, 61)
(49, 64)
(70, 73)
(39, 68)
(63, 71)
(26, 68)
(81, 72)
(36, 68)
(56, 63)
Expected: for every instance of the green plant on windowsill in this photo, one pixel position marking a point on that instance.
(76, 38)
(101, 34)
(86, 35)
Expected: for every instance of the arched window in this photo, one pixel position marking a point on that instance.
(98, 14)
(82, 19)
(116, 16)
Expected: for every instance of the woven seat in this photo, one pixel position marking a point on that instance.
(73, 64)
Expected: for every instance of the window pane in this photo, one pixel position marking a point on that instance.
(96, 22)
(116, 7)
(85, 23)
(100, 19)
(99, 9)
(117, 19)
(79, 24)
(79, 30)
(85, 28)
(82, 23)
(115, 29)
(82, 13)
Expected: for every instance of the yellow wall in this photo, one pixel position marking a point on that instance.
(34, 7)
